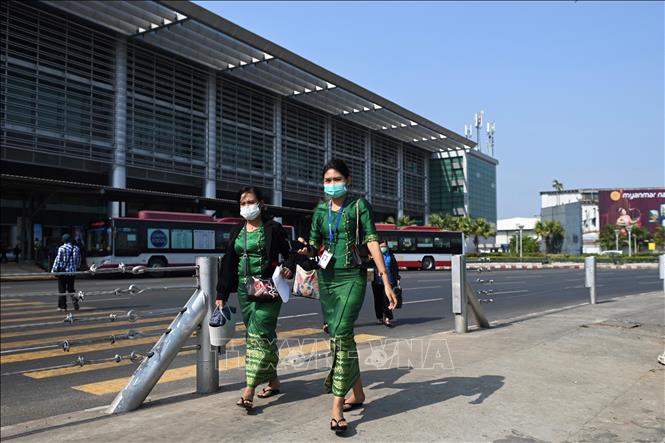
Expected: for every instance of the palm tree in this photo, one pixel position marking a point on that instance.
(405, 220)
(551, 233)
(444, 221)
(480, 227)
(558, 187)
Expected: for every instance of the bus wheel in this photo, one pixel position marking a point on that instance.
(157, 262)
(428, 264)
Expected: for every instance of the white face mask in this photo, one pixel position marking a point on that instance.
(250, 212)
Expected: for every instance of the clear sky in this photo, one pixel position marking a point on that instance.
(576, 88)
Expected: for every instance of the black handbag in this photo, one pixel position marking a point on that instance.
(360, 256)
(258, 289)
(398, 293)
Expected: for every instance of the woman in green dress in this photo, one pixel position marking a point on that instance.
(342, 284)
(253, 250)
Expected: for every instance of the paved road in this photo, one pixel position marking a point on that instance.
(427, 309)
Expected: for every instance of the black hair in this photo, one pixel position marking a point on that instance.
(245, 189)
(265, 215)
(338, 165)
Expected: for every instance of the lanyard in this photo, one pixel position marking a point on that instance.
(331, 233)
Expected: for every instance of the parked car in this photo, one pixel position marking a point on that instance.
(612, 252)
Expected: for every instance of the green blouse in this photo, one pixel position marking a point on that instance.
(346, 234)
(256, 252)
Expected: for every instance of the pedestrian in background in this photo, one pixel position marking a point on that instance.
(68, 259)
(17, 251)
(383, 314)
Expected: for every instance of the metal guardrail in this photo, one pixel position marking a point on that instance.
(131, 316)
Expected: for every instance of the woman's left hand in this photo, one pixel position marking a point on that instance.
(392, 298)
(286, 273)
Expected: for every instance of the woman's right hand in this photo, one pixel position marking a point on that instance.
(219, 304)
(305, 250)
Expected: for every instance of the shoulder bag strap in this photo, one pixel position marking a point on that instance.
(245, 256)
(357, 222)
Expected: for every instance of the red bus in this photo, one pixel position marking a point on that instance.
(421, 247)
(158, 239)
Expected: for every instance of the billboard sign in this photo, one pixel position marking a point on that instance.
(632, 207)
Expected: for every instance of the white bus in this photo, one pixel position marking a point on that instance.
(421, 247)
(158, 239)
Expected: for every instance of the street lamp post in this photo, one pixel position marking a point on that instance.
(630, 242)
(520, 227)
(616, 239)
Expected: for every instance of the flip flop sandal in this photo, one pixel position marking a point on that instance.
(351, 406)
(267, 392)
(336, 427)
(244, 403)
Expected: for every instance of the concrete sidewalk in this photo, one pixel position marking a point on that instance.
(584, 373)
(8, 270)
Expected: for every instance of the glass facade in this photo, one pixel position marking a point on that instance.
(58, 101)
(447, 185)
(481, 176)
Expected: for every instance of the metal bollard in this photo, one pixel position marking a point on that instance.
(590, 277)
(207, 360)
(458, 275)
(661, 267)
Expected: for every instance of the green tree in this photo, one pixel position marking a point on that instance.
(659, 237)
(639, 236)
(405, 220)
(607, 238)
(479, 227)
(529, 245)
(551, 233)
(444, 221)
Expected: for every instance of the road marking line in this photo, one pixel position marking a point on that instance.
(37, 355)
(185, 372)
(424, 287)
(508, 292)
(19, 304)
(48, 373)
(421, 301)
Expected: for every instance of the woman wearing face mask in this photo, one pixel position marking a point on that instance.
(383, 314)
(341, 284)
(264, 240)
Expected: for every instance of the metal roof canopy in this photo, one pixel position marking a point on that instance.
(195, 33)
(11, 183)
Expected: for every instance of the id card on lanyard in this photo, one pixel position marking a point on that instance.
(326, 255)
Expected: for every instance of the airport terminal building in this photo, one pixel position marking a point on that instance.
(109, 107)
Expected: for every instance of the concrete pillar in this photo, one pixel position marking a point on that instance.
(277, 149)
(119, 174)
(368, 165)
(400, 181)
(210, 187)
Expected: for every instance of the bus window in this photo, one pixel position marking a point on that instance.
(221, 238)
(456, 244)
(126, 241)
(425, 242)
(181, 238)
(407, 244)
(442, 244)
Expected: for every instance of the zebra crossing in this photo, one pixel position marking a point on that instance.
(93, 358)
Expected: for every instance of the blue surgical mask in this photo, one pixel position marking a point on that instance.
(384, 249)
(335, 190)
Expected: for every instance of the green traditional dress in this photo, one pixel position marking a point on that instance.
(342, 286)
(260, 318)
